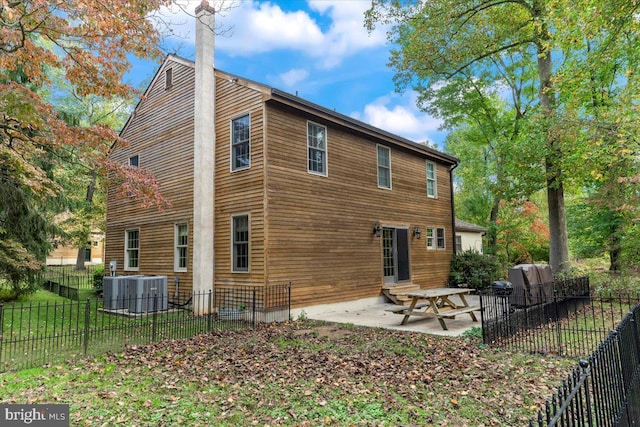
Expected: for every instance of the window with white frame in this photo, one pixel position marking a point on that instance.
(131, 249)
(240, 243)
(458, 243)
(384, 167)
(440, 238)
(240, 143)
(430, 238)
(431, 180)
(317, 148)
(181, 247)
(134, 161)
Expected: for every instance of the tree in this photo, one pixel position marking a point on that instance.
(441, 40)
(90, 44)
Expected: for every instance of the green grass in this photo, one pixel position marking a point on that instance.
(49, 328)
(579, 334)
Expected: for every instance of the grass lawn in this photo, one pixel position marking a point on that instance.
(299, 373)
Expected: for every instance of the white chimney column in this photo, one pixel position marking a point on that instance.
(204, 159)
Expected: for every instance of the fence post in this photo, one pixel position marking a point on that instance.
(289, 304)
(585, 372)
(253, 309)
(154, 328)
(87, 321)
(210, 311)
(1, 331)
(557, 320)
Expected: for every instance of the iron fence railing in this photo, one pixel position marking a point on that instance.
(35, 334)
(603, 390)
(565, 320)
(66, 281)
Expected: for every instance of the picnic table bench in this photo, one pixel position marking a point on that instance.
(425, 299)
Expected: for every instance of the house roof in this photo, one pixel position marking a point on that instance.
(467, 226)
(294, 101)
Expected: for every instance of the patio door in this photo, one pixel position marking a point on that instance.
(395, 254)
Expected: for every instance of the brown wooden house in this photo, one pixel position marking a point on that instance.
(268, 188)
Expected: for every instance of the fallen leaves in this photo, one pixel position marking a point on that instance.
(277, 375)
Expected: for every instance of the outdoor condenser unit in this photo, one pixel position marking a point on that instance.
(147, 294)
(115, 292)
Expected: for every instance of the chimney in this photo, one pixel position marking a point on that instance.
(204, 159)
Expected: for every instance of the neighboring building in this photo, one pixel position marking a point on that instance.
(469, 236)
(268, 188)
(67, 255)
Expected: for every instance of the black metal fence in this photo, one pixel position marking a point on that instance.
(66, 281)
(605, 390)
(564, 319)
(35, 334)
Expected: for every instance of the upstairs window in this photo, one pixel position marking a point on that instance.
(181, 244)
(240, 144)
(431, 180)
(317, 148)
(131, 249)
(168, 78)
(240, 243)
(134, 161)
(384, 167)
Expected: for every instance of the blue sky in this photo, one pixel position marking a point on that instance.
(317, 48)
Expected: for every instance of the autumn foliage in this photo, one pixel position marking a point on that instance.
(90, 44)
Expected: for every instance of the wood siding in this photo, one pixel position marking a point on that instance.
(242, 191)
(161, 133)
(320, 228)
(310, 230)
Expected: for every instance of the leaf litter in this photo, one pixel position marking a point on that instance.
(301, 373)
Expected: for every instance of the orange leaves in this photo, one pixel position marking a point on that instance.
(89, 45)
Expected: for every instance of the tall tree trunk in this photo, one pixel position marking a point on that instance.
(91, 188)
(558, 239)
(492, 234)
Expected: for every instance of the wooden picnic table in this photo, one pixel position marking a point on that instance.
(427, 302)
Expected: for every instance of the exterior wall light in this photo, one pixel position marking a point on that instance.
(377, 230)
(417, 232)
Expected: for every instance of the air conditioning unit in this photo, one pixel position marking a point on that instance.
(115, 292)
(147, 294)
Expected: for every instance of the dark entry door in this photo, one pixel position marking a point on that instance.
(402, 238)
(395, 254)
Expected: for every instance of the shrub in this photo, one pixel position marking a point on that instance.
(98, 278)
(474, 270)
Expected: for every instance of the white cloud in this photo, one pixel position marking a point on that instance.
(291, 77)
(259, 27)
(398, 114)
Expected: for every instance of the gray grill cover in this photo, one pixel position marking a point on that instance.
(532, 284)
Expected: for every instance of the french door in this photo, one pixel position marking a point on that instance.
(395, 254)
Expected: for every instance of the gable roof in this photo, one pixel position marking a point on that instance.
(273, 95)
(467, 226)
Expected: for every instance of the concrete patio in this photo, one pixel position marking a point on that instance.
(371, 312)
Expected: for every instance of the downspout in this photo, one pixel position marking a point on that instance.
(453, 206)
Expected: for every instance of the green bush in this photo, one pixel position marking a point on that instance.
(474, 270)
(98, 277)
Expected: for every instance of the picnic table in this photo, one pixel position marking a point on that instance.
(428, 302)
